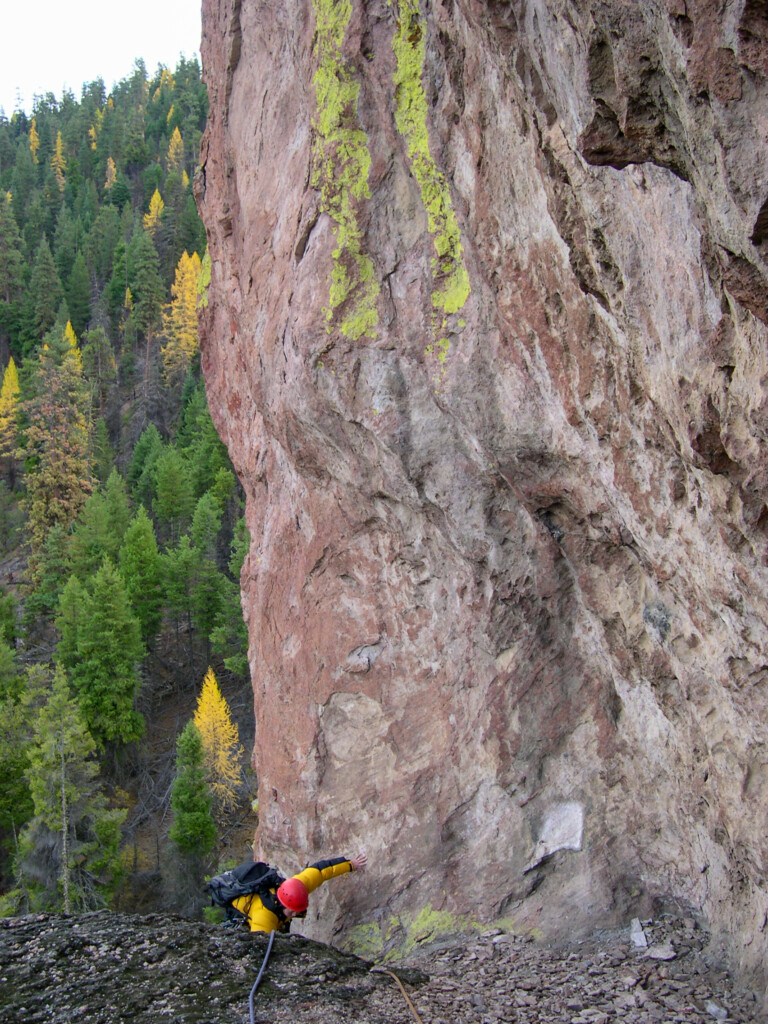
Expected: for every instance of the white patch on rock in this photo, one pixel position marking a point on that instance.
(637, 935)
(562, 829)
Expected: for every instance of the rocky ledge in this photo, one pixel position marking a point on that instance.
(111, 969)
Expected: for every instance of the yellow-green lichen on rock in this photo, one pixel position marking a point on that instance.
(401, 934)
(365, 940)
(341, 162)
(203, 281)
(451, 278)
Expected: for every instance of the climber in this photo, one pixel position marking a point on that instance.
(274, 909)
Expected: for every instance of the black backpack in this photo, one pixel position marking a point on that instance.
(247, 879)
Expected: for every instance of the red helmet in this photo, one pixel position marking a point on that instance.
(293, 895)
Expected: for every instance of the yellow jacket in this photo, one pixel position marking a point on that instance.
(262, 919)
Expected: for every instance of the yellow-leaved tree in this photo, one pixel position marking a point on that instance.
(180, 320)
(59, 163)
(152, 219)
(221, 746)
(111, 173)
(34, 139)
(9, 401)
(175, 152)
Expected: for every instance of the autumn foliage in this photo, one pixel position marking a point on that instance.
(221, 745)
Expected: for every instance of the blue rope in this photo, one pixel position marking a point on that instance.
(258, 978)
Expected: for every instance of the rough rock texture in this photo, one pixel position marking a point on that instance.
(110, 969)
(506, 590)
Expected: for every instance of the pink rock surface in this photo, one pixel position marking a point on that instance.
(506, 599)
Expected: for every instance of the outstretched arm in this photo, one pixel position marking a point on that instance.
(323, 870)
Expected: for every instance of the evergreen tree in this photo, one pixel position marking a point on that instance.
(102, 241)
(229, 636)
(223, 754)
(55, 440)
(69, 620)
(79, 295)
(193, 831)
(11, 257)
(99, 367)
(147, 291)
(201, 444)
(46, 289)
(100, 529)
(179, 567)
(141, 569)
(103, 452)
(209, 583)
(101, 648)
(70, 809)
(52, 569)
(141, 471)
(174, 502)
(64, 244)
(15, 735)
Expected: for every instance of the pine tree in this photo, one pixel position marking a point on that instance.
(65, 244)
(141, 568)
(223, 754)
(209, 583)
(79, 294)
(99, 366)
(147, 291)
(179, 567)
(46, 289)
(68, 807)
(200, 442)
(55, 440)
(52, 570)
(141, 471)
(100, 528)
(9, 404)
(230, 634)
(101, 648)
(180, 320)
(174, 502)
(11, 258)
(193, 831)
(15, 800)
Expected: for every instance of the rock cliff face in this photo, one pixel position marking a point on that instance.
(486, 339)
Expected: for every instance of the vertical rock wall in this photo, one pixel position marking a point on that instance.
(486, 339)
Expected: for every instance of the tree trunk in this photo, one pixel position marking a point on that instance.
(64, 837)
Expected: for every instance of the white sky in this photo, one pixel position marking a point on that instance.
(50, 45)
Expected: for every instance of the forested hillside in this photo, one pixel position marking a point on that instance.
(121, 529)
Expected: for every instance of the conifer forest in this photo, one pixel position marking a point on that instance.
(123, 668)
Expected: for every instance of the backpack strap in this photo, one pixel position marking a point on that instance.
(274, 906)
